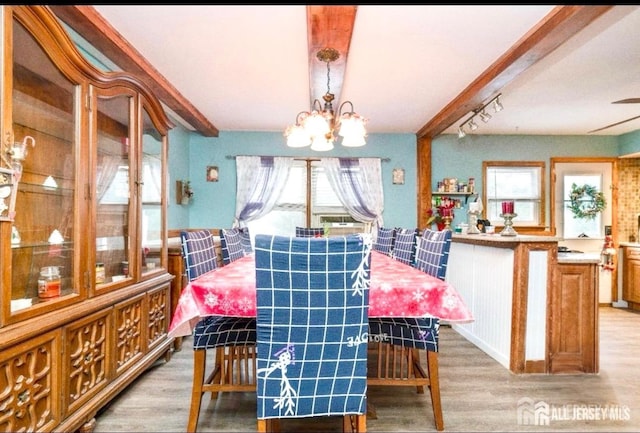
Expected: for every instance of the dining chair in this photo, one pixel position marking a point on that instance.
(312, 299)
(245, 240)
(233, 338)
(309, 232)
(384, 240)
(399, 342)
(404, 246)
(231, 243)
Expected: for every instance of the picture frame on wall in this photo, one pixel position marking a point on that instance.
(398, 176)
(212, 173)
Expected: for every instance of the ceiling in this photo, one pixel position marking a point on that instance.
(406, 68)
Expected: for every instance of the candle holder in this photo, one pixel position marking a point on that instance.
(508, 224)
(473, 222)
(447, 222)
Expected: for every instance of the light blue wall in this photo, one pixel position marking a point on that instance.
(629, 144)
(214, 202)
(462, 158)
(178, 169)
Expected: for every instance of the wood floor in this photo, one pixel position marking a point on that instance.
(478, 394)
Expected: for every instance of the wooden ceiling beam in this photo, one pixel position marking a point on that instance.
(328, 27)
(89, 24)
(562, 23)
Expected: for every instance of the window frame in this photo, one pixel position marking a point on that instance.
(541, 226)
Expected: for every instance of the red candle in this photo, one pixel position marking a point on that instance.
(504, 207)
(510, 207)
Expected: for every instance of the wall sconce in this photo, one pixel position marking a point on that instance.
(481, 112)
(184, 193)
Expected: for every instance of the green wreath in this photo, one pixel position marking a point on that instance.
(586, 208)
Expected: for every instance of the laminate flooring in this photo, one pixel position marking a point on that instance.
(478, 394)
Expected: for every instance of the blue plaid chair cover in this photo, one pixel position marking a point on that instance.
(404, 247)
(245, 240)
(432, 252)
(309, 232)
(231, 243)
(199, 255)
(417, 333)
(198, 252)
(384, 241)
(312, 307)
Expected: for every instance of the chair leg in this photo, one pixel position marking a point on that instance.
(199, 365)
(354, 423)
(434, 388)
(269, 425)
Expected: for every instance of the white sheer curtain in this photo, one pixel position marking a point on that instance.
(358, 185)
(260, 180)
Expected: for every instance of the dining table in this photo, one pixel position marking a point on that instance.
(395, 290)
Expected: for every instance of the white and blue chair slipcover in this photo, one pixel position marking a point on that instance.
(421, 333)
(432, 252)
(213, 332)
(384, 241)
(245, 237)
(312, 327)
(232, 245)
(309, 232)
(404, 247)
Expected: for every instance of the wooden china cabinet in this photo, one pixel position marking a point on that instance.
(84, 305)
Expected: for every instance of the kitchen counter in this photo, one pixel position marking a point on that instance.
(526, 299)
(578, 258)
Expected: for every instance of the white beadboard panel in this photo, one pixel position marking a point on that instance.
(535, 342)
(484, 277)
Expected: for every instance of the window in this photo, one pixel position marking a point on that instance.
(307, 200)
(517, 181)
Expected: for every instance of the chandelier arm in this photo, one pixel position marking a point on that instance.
(300, 119)
(348, 112)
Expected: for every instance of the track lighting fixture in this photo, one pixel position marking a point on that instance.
(481, 112)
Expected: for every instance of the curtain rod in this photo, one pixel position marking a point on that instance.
(312, 159)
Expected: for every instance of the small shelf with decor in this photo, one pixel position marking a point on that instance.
(466, 195)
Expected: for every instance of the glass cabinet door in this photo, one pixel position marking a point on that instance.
(45, 268)
(113, 185)
(152, 181)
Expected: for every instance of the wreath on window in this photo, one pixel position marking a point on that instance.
(586, 208)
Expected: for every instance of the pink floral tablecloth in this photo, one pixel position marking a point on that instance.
(396, 290)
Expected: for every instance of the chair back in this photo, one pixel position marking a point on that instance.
(198, 252)
(231, 245)
(312, 325)
(245, 240)
(309, 232)
(404, 247)
(385, 240)
(432, 252)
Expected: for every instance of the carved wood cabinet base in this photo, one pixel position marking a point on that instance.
(85, 293)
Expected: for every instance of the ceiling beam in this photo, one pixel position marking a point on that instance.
(89, 24)
(328, 27)
(557, 27)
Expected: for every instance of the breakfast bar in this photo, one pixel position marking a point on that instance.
(535, 310)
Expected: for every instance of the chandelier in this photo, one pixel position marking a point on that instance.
(317, 127)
